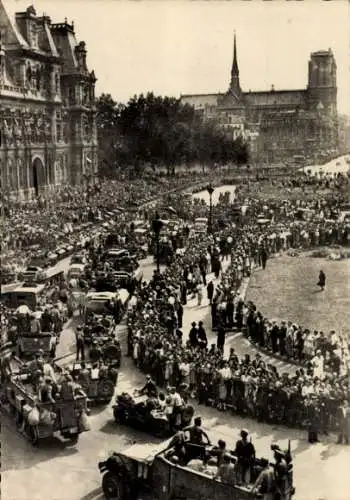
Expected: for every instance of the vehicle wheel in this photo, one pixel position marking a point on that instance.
(161, 430)
(105, 390)
(74, 438)
(112, 487)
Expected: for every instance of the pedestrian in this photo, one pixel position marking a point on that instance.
(220, 339)
(199, 295)
(321, 280)
(344, 423)
(179, 312)
(210, 292)
(202, 336)
(193, 335)
(80, 344)
(263, 257)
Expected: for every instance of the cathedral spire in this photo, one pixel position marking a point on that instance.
(235, 70)
(235, 86)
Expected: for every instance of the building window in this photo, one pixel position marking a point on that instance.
(34, 35)
(58, 127)
(57, 83)
(72, 95)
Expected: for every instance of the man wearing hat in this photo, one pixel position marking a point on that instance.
(149, 388)
(283, 486)
(265, 484)
(202, 336)
(193, 335)
(245, 453)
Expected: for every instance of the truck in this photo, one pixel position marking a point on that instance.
(149, 471)
(38, 420)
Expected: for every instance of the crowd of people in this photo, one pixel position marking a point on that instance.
(156, 340)
(47, 222)
(319, 388)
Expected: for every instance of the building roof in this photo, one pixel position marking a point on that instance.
(272, 98)
(255, 99)
(200, 100)
(7, 19)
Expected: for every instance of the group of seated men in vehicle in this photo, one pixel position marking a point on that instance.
(46, 384)
(239, 467)
(174, 405)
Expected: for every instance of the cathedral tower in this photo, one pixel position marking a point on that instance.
(322, 85)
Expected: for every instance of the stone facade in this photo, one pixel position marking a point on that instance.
(48, 134)
(280, 124)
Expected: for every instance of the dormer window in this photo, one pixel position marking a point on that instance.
(33, 35)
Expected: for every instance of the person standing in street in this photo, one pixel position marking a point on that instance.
(202, 336)
(193, 335)
(179, 314)
(221, 337)
(210, 292)
(263, 257)
(199, 294)
(321, 280)
(344, 423)
(80, 344)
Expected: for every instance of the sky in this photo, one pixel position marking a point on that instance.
(179, 47)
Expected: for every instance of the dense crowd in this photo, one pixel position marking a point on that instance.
(250, 387)
(156, 341)
(47, 222)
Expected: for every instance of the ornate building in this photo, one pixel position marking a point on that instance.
(48, 134)
(279, 124)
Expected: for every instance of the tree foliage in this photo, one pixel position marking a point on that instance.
(161, 131)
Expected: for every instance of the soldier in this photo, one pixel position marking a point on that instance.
(266, 481)
(281, 476)
(245, 453)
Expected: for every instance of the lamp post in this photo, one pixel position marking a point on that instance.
(157, 225)
(210, 190)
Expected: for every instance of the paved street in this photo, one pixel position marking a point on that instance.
(57, 471)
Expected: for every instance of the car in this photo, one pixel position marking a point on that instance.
(78, 258)
(43, 420)
(148, 470)
(33, 274)
(75, 271)
(139, 412)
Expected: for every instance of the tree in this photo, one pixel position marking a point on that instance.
(154, 130)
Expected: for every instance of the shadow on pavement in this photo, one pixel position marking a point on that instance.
(128, 433)
(18, 453)
(332, 450)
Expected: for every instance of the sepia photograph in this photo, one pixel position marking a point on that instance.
(175, 249)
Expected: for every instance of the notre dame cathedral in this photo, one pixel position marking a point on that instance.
(280, 124)
(48, 134)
